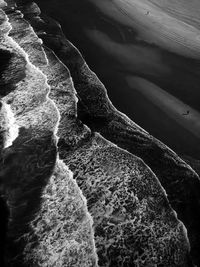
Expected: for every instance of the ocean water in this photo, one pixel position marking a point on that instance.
(147, 54)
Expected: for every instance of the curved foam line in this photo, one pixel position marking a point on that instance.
(12, 127)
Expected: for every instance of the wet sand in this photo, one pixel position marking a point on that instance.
(155, 40)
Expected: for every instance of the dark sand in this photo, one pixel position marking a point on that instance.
(115, 48)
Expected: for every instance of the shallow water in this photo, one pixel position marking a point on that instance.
(139, 49)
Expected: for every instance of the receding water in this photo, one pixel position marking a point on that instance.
(147, 54)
